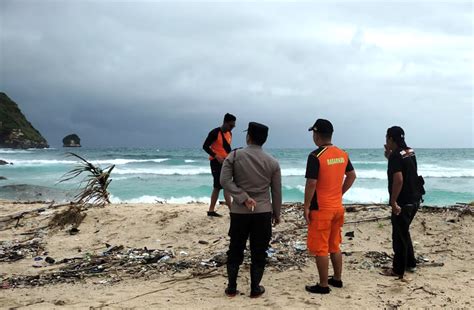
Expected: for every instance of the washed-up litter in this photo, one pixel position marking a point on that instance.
(287, 251)
(349, 234)
(379, 259)
(270, 252)
(14, 251)
(114, 259)
(300, 246)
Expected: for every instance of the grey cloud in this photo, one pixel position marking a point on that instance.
(163, 74)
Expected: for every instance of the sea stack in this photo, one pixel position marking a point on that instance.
(72, 140)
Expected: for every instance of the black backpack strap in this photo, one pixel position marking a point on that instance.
(419, 179)
(225, 143)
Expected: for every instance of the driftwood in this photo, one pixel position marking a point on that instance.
(425, 290)
(21, 214)
(6, 219)
(373, 219)
(462, 208)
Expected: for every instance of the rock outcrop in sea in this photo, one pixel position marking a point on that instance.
(71, 140)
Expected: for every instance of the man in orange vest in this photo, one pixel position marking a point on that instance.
(217, 145)
(329, 174)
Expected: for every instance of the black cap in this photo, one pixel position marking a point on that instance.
(322, 126)
(397, 134)
(257, 130)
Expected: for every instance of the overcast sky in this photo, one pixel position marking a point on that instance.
(163, 74)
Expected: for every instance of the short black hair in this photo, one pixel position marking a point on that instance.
(229, 118)
(325, 135)
(258, 139)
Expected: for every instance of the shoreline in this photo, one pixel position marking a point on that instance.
(221, 203)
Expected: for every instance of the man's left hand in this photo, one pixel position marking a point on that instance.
(307, 215)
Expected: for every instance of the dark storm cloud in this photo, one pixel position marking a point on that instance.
(163, 74)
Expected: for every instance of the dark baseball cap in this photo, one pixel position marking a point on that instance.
(322, 126)
(257, 130)
(396, 133)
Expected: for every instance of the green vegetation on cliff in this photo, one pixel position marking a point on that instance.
(15, 130)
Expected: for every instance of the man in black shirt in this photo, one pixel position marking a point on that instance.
(405, 196)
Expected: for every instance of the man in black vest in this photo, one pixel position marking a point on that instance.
(405, 195)
(218, 146)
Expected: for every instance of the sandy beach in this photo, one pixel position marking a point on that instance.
(171, 256)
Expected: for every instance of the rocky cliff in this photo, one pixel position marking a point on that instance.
(15, 130)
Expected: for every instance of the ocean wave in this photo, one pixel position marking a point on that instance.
(363, 174)
(289, 172)
(356, 194)
(366, 195)
(35, 162)
(433, 171)
(13, 151)
(190, 161)
(177, 170)
(117, 161)
(156, 199)
(123, 161)
(359, 162)
(426, 172)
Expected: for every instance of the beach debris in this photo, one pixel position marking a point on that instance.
(349, 234)
(59, 303)
(39, 262)
(114, 263)
(14, 251)
(164, 258)
(300, 246)
(98, 180)
(378, 258)
(131, 262)
(71, 216)
(49, 260)
(270, 252)
(73, 231)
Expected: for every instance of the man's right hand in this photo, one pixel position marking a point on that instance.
(220, 159)
(387, 151)
(250, 204)
(275, 220)
(396, 208)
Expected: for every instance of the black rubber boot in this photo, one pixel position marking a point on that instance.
(256, 274)
(232, 273)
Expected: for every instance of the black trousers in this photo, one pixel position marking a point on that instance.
(216, 168)
(401, 240)
(256, 227)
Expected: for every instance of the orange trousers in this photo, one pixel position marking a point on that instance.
(324, 231)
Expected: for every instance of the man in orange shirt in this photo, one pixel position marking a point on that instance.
(217, 145)
(329, 174)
